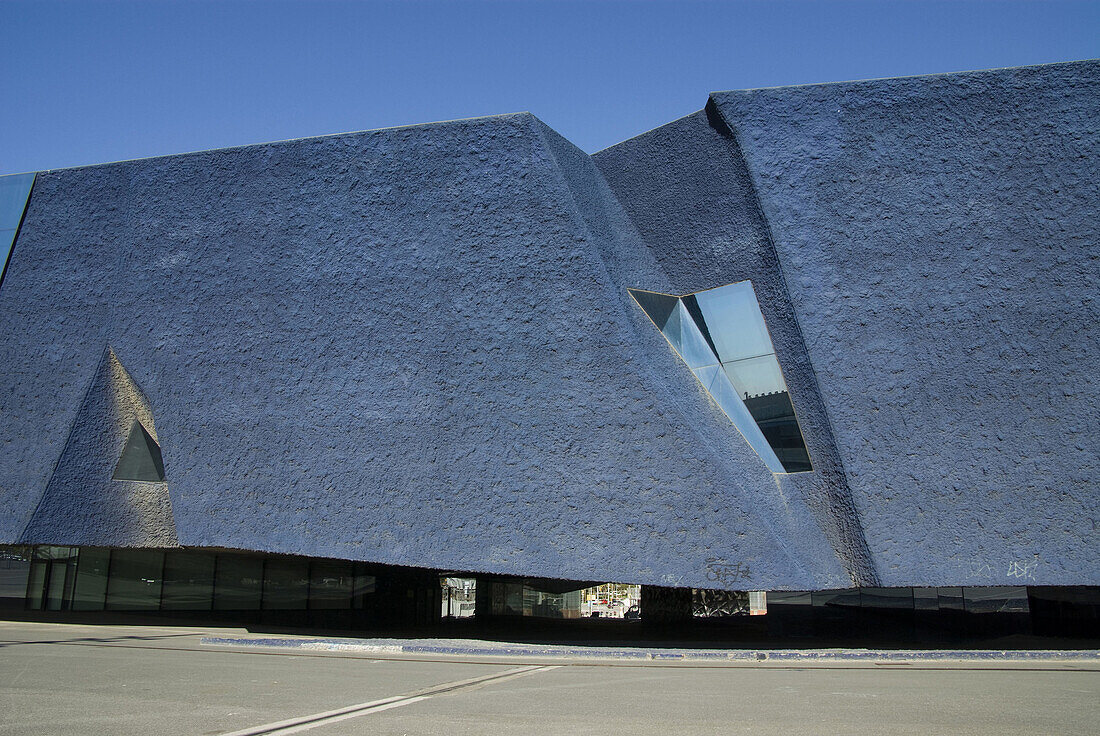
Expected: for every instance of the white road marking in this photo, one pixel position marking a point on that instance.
(304, 723)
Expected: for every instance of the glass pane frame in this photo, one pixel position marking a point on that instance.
(729, 350)
(15, 193)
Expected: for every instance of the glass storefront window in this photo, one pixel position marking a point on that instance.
(886, 597)
(15, 569)
(1002, 599)
(364, 587)
(950, 599)
(92, 567)
(238, 583)
(35, 584)
(188, 581)
(330, 584)
(286, 583)
(135, 580)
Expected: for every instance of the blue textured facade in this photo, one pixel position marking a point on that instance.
(416, 346)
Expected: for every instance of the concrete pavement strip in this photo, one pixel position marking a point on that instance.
(650, 654)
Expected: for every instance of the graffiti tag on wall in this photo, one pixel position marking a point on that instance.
(727, 574)
(1015, 569)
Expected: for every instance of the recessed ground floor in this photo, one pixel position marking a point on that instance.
(111, 584)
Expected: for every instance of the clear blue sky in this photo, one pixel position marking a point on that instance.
(88, 82)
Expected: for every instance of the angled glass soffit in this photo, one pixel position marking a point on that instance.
(14, 190)
(721, 335)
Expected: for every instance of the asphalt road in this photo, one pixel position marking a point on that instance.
(68, 679)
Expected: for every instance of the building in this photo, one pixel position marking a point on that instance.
(808, 338)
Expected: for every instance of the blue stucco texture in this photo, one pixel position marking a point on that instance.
(416, 346)
(940, 240)
(83, 504)
(409, 346)
(686, 188)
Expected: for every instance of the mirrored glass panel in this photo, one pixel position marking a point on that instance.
(721, 335)
(135, 580)
(91, 579)
(755, 376)
(693, 346)
(7, 237)
(188, 581)
(237, 583)
(330, 584)
(286, 583)
(734, 320)
(15, 568)
(14, 189)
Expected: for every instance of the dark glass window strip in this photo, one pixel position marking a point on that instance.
(96, 579)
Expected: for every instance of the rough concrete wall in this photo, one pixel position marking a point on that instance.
(742, 478)
(408, 346)
(686, 187)
(82, 504)
(940, 239)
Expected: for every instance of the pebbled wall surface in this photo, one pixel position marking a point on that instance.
(410, 346)
(82, 504)
(941, 242)
(686, 187)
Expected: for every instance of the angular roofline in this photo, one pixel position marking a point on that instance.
(647, 132)
(275, 142)
(934, 75)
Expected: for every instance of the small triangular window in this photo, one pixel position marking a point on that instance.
(141, 458)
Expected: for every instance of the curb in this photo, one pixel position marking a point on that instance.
(382, 646)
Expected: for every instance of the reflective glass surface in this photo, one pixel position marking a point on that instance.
(7, 237)
(1004, 599)
(671, 330)
(237, 583)
(693, 347)
(886, 597)
(735, 322)
(726, 397)
(15, 568)
(926, 599)
(790, 597)
(141, 458)
(725, 328)
(35, 584)
(846, 597)
(657, 306)
(286, 583)
(950, 599)
(755, 376)
(330, 584)
(91, 579)
(365, 586)
(135, 581)
(14, 189)
(188, 581)
(55, 590)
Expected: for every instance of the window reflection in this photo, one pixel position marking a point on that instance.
(91, 579)
(135, 580)
(14, 190)
(721, 335)
(188, 581)
(237, 583)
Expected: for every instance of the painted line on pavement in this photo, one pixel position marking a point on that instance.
(304, 723)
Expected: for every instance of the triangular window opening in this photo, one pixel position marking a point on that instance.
(721, 335)
(141, 458)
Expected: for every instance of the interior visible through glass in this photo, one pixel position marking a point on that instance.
(721, 335)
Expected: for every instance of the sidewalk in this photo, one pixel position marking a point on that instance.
(647, 653)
